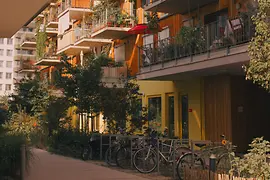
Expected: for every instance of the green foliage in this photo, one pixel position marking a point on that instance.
(81, 84)
(41, 38)
(191, 38)
(10, 156)
(23, 124)
(259, 48)
(56, 110)
(255, 163)
(32, 95)
(152, 20)
(122, 105)
(68, 142)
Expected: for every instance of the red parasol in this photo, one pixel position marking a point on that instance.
(141, 29)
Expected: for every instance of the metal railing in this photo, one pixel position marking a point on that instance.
(73, 4)
(114, 17)
(81, 33)
(114, 72)
(148, 2)
(210, 37)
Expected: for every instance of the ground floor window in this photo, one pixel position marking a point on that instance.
(154, 113)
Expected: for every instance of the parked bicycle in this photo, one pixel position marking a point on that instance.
(146, 159)
(200, 159)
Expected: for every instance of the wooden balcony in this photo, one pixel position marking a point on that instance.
(175, 6)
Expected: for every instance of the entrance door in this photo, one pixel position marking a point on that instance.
(185, 131)
(171, 116)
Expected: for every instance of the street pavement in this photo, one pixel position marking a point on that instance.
(46, 166)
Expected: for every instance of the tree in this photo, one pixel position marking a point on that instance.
(81, 84)
(32, 95)
(259, 49)
(122, 105)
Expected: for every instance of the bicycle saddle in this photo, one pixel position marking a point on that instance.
(200, 145)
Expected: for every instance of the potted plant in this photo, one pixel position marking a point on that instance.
(153, 21)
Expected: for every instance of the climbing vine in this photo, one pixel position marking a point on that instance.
(41, 38)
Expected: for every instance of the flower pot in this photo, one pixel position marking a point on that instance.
(109, 24)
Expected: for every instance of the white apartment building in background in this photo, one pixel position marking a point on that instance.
(7, 66)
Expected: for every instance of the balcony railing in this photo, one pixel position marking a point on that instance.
(113, 75)
(114, 17)
(66, 40)
(73, 4)
(82, 33)
(210, 37)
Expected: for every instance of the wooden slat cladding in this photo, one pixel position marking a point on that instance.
(217, 95)
(239, 112)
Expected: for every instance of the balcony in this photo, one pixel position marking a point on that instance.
(112, 76)
(29, 43)
(27, 67)
(212, 48)
(77, 9)
(175, 6)
(113, 24)
(48, 61)
(52, 18)
(66, 45)
(51, 32)
(83, 38)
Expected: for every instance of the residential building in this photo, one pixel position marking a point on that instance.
(196, 86)
(191, 71)
(6, 66)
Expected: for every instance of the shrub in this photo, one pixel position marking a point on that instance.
(68, 142)
(254, 164)
(22, 123)
(10, 155)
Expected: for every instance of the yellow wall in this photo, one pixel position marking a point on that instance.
(163, 89)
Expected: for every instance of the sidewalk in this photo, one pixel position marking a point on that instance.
(47, 166)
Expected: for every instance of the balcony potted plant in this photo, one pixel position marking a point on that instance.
(153, 21)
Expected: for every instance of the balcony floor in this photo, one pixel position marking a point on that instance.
(47, 62)
(111, 33)
(91, 42)
(73, 50)
(28, 44)
(76, 13)
(52, 24)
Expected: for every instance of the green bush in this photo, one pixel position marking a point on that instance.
(10, 155)
(68, 142)
(255, 163)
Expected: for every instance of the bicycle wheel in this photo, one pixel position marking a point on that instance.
(87, 153)
(224, 163)
(110, 155)
(188, 161)
(145, 160)
(123, 157)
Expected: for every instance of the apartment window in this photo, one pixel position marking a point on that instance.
(8, 75)
(154, 113)
(1, 40)
(8, 87)
(9, 52)
(1, 75)
(10, 41)
(18, 63)
(9, 64)
(1, 63)
(1, 52)
(1, 87)
(119, 54)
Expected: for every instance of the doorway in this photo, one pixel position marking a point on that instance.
(185, 130)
